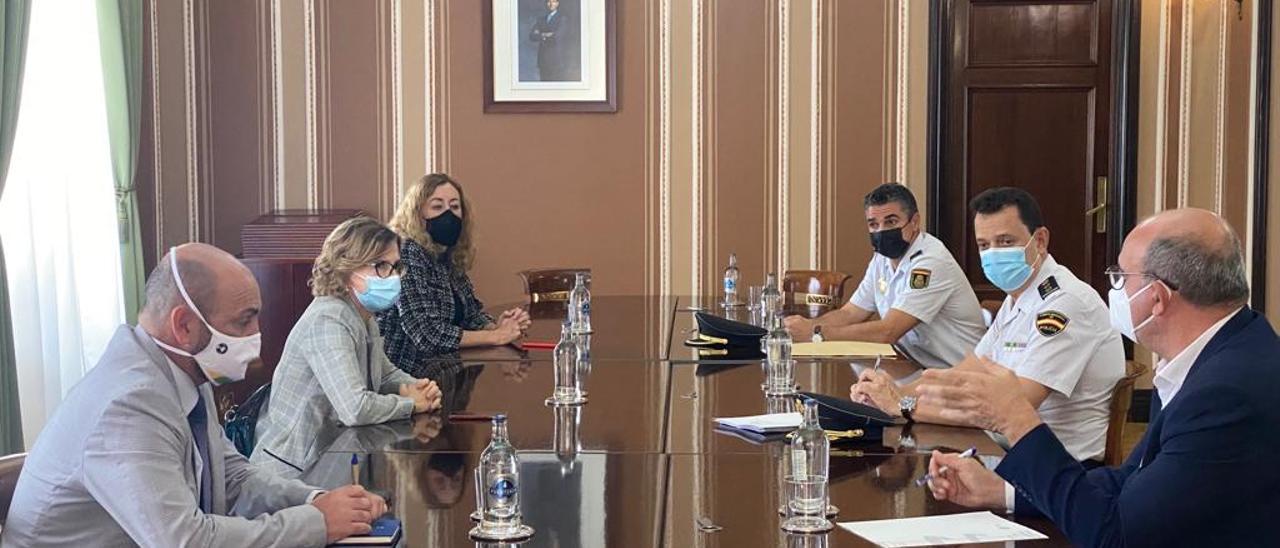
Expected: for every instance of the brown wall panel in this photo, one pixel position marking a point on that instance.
(857, 73)
(234, 144)
(353, 101)
(741, 182)
(550, 189)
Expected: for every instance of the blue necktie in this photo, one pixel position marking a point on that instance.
(199, 421)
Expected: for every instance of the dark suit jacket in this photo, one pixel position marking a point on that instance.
(551, 65)
(1205, 473)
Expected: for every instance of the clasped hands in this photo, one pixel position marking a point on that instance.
(511, 325)
(425, 394)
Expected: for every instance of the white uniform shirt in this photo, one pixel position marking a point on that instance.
(930, 286)
(1058, 333)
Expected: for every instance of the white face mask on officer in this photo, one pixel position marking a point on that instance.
(1121, 316)
(225, 359)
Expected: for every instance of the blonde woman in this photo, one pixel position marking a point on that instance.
(439, 312)
(334, 369)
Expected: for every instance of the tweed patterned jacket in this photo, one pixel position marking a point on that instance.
(333, 371)
(436, 305)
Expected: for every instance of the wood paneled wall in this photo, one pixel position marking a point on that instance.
(747, 126)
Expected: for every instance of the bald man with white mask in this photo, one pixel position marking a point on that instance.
(135, 454)
(1204, 473)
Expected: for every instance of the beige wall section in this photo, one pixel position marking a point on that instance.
(741, 127)
(1196, 107)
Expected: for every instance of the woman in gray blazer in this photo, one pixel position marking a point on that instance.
(333, 369)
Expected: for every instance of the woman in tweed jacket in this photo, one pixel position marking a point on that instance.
(438, 312)
(334, 370)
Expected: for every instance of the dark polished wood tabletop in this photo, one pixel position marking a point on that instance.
(641, 461)
(641, 499)
(624, 327)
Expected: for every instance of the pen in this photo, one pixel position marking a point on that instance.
(537, 345)
(877, 367)
(470, 417)
(355, 469)
(969, 453)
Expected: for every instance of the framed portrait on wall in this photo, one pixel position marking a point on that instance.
(550, 56)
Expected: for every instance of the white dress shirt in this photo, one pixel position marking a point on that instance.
(1171, 373)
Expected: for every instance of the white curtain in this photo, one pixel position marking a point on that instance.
(58, 216)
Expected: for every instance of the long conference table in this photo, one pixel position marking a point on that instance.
(640, 464)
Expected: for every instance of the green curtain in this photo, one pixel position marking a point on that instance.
(120, 34)
(13, 45)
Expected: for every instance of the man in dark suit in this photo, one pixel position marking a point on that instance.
(1204, 474)
(547, 33)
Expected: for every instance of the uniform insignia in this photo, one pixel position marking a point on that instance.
(916, 254)
(1051, 322)
(1048, 287)
(883, 285)
(920, 278)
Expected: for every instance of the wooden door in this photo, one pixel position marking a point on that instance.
(1025, 102)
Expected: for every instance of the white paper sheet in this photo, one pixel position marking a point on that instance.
(764, 424)
(967, 528)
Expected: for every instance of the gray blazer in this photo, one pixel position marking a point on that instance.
(115, 466)
(333, 372)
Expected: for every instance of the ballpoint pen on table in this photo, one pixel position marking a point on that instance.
(968, 453)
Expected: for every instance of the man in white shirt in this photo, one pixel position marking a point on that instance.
(919, 294)
(135, 454)
(1052, 330)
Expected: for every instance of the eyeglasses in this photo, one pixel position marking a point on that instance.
(1116, 276)
(385, 269)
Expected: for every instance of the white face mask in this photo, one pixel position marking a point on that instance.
(1121, 317)
(225, 359)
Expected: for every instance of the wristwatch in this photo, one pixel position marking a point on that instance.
(817, 333)
(907, 406)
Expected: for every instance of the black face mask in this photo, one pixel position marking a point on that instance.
(445, 229)
(890, 243)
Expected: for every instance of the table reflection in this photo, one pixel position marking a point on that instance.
(702, 392)
(738, 494)
(590, 500)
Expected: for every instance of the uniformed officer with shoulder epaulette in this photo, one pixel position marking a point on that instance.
(924, 301)
(1053, 329)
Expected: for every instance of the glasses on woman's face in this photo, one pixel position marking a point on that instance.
(1116, 276)
(385, 269)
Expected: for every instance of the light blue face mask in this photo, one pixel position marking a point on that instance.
(379, 293)
(1007, 267)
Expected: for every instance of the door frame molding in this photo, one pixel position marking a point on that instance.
(1261, 155)
(1125, 29)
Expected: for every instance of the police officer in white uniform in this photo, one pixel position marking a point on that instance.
(1053, 330)
(924, 301)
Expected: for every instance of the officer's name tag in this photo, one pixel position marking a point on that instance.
(1008, 346)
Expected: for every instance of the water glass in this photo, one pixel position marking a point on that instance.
(779, 378)
(806, 504)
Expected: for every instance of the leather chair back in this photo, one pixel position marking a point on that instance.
(813, 292)
(1121, 400)
(10, 468)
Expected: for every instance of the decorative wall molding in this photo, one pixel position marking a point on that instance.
(309, 91)
(156, 127)
(696, 172)
(189, 91)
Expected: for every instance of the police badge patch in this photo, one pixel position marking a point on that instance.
(1051, 322)
(920, 278)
